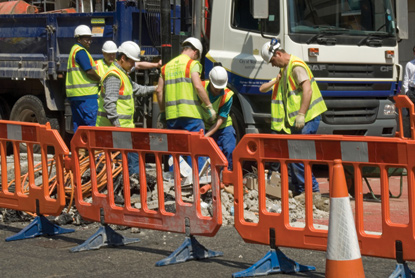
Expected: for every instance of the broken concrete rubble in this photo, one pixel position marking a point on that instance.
(250, 201)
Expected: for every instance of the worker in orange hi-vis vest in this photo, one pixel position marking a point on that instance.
(82, 80)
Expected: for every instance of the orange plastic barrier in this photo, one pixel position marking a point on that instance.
(37, 199)
(158, 143)
(358, 151)
(402, 101)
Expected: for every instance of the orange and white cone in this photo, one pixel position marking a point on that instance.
(343, 257)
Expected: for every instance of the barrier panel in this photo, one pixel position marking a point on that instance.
(396, 239)
(21, 189)
(402, 101)
(155, 146)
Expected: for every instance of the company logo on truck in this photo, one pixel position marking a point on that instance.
(386, 68)
(318, 67)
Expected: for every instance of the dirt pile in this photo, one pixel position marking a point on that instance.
(250, 202)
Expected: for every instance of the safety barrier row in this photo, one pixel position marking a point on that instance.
(274, 229)
(159, 144)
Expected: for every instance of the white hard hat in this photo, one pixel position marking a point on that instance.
(109, 47)
(219, 77)
(196, 44)
(82, 30)
(131, 49)
(268, 49)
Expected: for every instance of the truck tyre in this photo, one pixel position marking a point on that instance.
(30, 109)
(237, 122)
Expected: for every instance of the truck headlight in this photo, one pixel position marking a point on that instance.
(389, 109)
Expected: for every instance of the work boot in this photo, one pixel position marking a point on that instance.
(301, 197)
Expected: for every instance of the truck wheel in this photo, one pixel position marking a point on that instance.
(237, 122)
(30, 109)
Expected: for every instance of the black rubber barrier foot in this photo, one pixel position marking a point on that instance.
(190, 249)
(402, 271)
(273, 262)
(40, 226)
(105, 236)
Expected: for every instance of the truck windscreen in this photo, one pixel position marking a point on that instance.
(351, 17)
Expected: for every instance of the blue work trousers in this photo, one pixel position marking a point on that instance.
(226, 140)
(132, 159)
(84, 111)
(189, 124)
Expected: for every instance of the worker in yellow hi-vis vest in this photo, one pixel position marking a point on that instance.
(221, 98)
(296, 103)
(180, 90)
(116, 99)
(82, 80)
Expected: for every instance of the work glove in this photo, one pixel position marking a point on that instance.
(161, 121)
(299, 121)
(152, 92)
(211, 112)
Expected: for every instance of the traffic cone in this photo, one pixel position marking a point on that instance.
(343, 257)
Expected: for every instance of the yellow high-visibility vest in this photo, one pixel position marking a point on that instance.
(286, 102)
(216, 105)
(77, 82)
(181, 98)
(125, 103)
(102, 67)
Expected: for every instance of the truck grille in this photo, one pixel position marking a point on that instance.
(351, 70)
(350, 111)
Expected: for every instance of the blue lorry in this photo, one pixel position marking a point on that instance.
(34, 55)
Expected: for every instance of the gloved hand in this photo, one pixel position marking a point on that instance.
(161, 121)
(299, 121)
(212, 113)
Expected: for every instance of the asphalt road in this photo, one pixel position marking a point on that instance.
(50, 256)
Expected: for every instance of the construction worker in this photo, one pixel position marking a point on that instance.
(82, 80)
(180, 90)
(296, 103)
(221, 98)
(109, 50)
(116, 99)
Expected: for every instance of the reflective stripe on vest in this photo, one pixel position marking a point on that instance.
(181, 98)
(102, 67)
(77, 82)
(287, 102)
(216, 105)
(125, 102)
